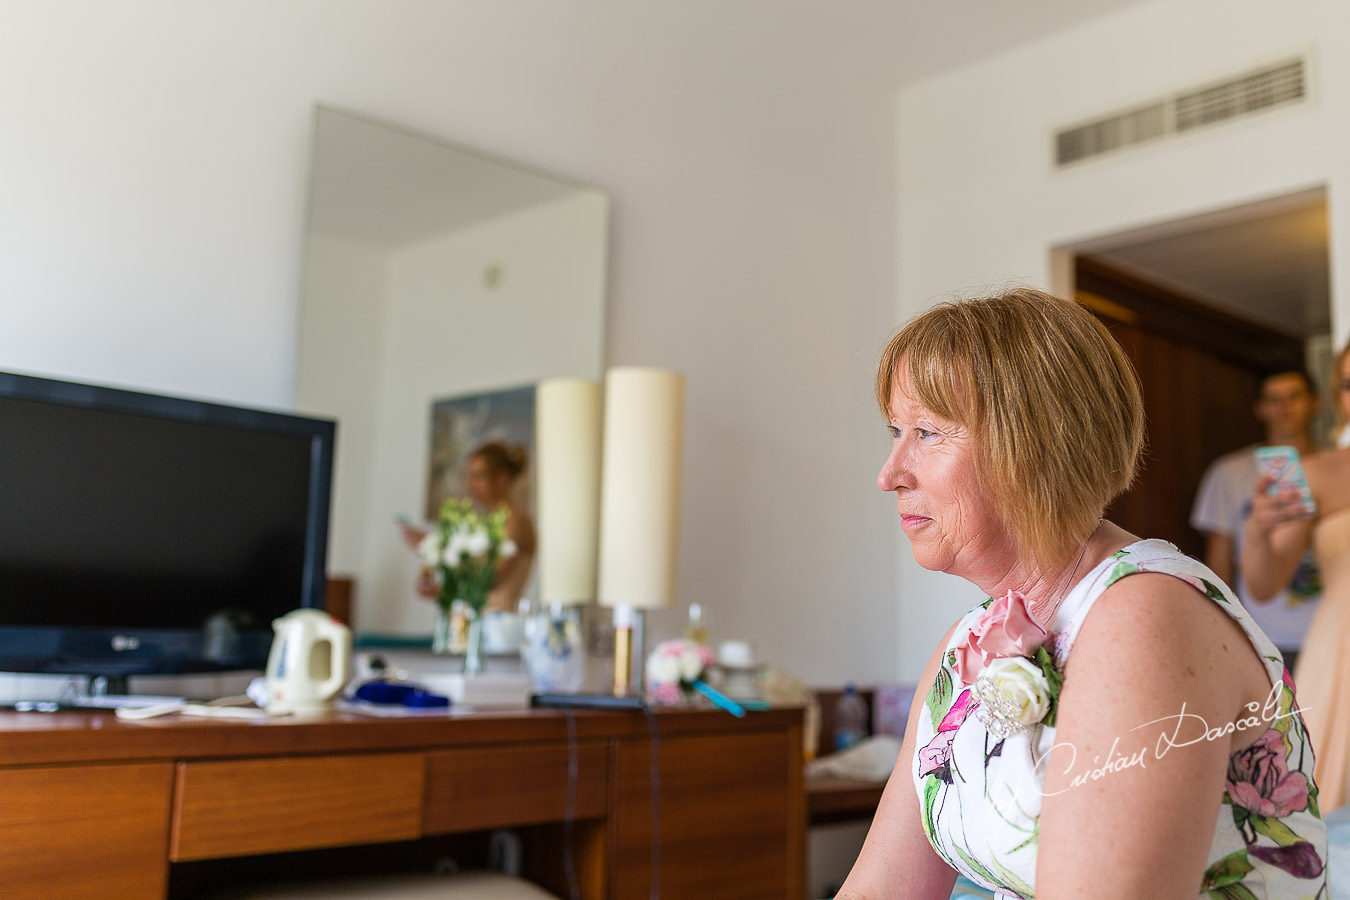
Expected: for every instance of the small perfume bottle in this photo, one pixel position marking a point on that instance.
(696, 630)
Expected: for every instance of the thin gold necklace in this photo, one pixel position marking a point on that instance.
(1050, 617)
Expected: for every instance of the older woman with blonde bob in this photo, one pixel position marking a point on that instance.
(1109, 723)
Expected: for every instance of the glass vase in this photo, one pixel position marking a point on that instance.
(442, 633)
(553, 651)
(473, 649)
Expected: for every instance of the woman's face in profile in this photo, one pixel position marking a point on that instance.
(948, 517)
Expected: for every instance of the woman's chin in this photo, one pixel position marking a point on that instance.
(930, 558)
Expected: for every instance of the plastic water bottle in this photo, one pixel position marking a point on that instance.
(850, 718)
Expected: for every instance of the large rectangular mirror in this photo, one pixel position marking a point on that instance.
(431, 272)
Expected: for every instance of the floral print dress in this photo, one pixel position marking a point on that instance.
(980, 795)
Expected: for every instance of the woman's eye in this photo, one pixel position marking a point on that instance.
(895, 432)
(923, 433)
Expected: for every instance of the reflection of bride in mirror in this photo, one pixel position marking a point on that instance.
(490, 476)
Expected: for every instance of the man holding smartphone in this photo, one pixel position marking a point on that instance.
(1285, 405)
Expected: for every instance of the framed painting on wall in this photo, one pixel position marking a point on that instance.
(460, 425)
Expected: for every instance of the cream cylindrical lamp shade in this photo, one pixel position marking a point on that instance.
(567, 467)
(640, 493)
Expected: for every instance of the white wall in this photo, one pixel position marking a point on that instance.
(339, 376)
(153, 171)
(980, 203)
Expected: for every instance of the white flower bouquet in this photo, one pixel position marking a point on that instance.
(463, 550)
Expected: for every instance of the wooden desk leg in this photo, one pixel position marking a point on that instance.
(545, 847)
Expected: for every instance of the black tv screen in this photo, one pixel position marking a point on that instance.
(142, 533)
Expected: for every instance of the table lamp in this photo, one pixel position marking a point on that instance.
(639, 504)
(567, 460)
(567, 449)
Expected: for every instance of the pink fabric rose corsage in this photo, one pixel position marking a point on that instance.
(1007, 628)
(1013, 677)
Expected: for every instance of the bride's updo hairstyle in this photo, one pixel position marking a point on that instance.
(1049, 398)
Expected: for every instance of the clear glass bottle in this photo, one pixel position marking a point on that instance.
(850, 719)
(697, 629)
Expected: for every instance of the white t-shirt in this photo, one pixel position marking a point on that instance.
(1222, 507)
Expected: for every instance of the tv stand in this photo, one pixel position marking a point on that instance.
(106, 685)
(97, 807)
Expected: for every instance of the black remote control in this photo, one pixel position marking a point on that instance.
(590, 701)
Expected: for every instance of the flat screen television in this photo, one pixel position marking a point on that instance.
(143, 534)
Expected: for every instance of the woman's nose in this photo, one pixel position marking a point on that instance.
(895, 472)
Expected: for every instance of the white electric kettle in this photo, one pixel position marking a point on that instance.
(311, 655)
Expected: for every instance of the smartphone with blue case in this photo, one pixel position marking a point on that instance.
(1283, 464)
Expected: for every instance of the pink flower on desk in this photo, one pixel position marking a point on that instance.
(936, 756)
(1006, 628)
(673, 667)
(1260, 782)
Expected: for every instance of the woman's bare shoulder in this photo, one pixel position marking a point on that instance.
(1170, 642)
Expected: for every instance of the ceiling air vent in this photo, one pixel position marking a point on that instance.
(1253, 92)
(1111, 133)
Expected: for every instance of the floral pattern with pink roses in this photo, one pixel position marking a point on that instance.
(1260, 782)
(1274, 846)
(1263, 791)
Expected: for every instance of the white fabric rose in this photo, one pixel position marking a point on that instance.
(1022, 685)
(429, 548)
(508, 549)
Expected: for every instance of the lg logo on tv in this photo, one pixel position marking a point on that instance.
(122, 642)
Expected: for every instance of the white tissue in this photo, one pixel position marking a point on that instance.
(871, 759)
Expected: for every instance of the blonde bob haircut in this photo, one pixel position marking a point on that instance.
(1050, 400)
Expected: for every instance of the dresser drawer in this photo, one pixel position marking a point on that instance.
(487, 787)
(84, 831)
(241, 807)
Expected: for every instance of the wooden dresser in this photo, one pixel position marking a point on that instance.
(95, 807)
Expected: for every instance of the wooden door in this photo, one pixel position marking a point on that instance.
(1199, 369)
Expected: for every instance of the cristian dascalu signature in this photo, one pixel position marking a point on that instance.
(1196, 729)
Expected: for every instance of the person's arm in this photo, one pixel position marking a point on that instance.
(520, 530)
(1150, 647)
(1219, 555)
(412, 534)
(1274, 540)
(897, 862)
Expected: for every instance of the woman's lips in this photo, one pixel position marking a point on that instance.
(909, 522)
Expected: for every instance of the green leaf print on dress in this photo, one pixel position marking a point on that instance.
(940, 698)
(1120, 570)
(1229, 870)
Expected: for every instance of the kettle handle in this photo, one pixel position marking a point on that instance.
(340, 638)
